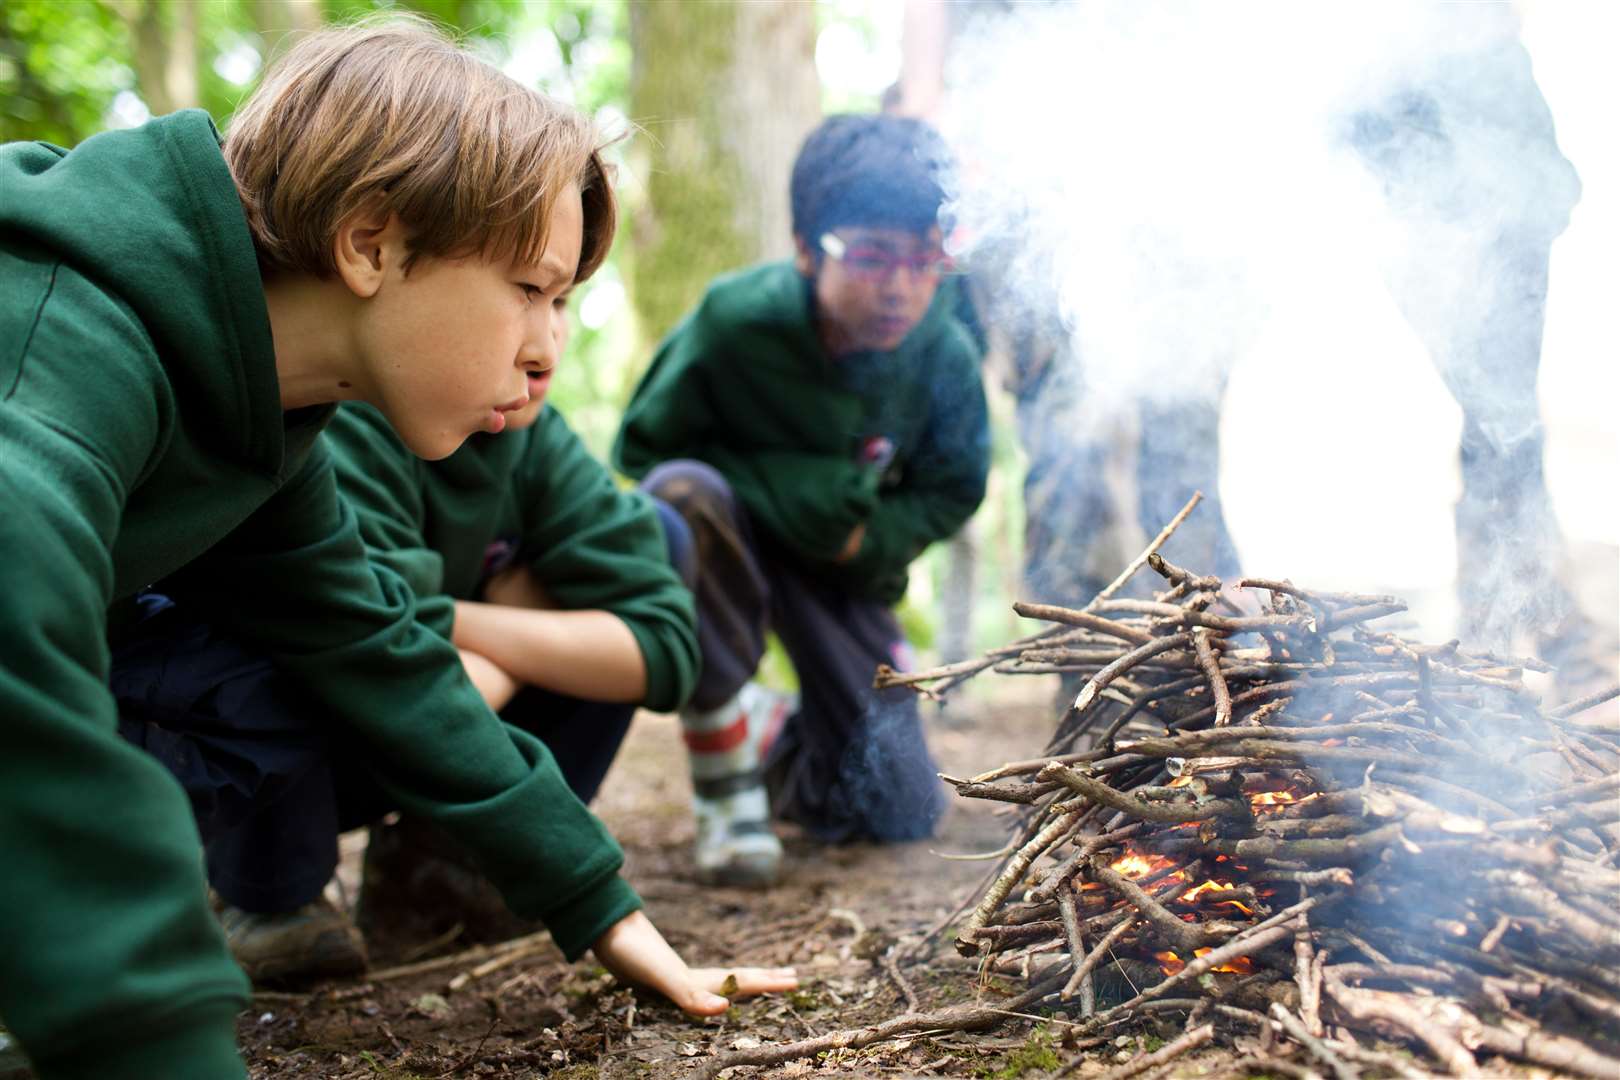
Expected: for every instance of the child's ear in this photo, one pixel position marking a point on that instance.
(367, 241)
(804, 261)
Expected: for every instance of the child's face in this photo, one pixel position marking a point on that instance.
(873, 285)
(540, 381)
(452, 346)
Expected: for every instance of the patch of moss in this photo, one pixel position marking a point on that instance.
(1036, 1055)
(804, 1000)
(577, 1072)
(1151, 1043)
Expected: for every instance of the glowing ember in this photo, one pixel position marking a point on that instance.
(1191, 895)
(1268, 802)
(1238, 965)
(1137, 864)
(1169, 962)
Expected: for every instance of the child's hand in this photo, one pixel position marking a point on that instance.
(635, 952)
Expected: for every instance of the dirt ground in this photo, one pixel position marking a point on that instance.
(836, 916)
(836, 913)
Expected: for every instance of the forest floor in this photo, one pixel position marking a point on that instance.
(840, 915)
(836, 914)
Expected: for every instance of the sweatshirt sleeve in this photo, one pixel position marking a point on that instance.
(944, 478)
(108, 954)
(382, 482)
(594, 546)
(297, 584)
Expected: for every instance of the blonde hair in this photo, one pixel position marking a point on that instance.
(390, 113)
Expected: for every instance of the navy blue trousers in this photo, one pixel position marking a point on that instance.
(852, 763)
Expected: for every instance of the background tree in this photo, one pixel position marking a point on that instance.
(724, 93)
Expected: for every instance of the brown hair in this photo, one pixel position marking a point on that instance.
(389, 111)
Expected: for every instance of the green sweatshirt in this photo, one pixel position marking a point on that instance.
(814, 446)
(142, 438)
(535, 496)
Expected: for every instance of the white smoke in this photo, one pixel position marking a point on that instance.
(1170, 179)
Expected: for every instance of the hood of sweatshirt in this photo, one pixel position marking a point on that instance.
(152, 215)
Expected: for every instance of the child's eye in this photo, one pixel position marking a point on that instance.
(561, 303)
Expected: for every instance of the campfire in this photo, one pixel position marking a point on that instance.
(1306, 834)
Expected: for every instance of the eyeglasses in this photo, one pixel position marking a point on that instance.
(876, 264)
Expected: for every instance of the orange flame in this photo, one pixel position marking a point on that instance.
(1137, 864)
(1170, 963)
(1238, 965)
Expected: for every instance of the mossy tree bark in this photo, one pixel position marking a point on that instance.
(725, 91)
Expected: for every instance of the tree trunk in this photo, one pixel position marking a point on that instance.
(164, 35)
(725, 92)
(277, 21)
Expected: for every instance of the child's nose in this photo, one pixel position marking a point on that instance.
(539, 352)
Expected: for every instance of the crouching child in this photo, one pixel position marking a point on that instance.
(818, 423)
(177, 319)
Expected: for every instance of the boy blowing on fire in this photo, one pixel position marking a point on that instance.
(561, 594)
(818, 423)
(178, 318)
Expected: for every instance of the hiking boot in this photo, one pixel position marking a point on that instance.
(418, 885)
(316, 941)
(726, 746)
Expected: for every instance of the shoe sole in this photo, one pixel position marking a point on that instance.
(332, 959)
(743, 873)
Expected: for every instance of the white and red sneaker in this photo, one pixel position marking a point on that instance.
(727, 748)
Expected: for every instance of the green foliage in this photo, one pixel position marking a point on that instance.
(60, 68)
(1036, 1055)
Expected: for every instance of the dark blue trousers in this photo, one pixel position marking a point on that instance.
(852, 763)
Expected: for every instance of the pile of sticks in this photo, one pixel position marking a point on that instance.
(1305, 832)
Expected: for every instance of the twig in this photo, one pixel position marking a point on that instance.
(468, 956)
(1217, 681)
(892, 968)
(1302, 1034)
(1095, 956)
(1009, 877)
(1580, 705)
(955, 1018)
(1190, 1040)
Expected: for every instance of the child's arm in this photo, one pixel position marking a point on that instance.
(593, 607)
(494, 684)
(113, 964)
(294, 582)
(584, 654)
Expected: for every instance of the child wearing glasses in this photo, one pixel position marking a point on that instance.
(818, 423)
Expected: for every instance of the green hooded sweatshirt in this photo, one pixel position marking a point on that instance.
(814, 446)
(535, 497)
(142, 438)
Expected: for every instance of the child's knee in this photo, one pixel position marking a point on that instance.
(689, 486)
